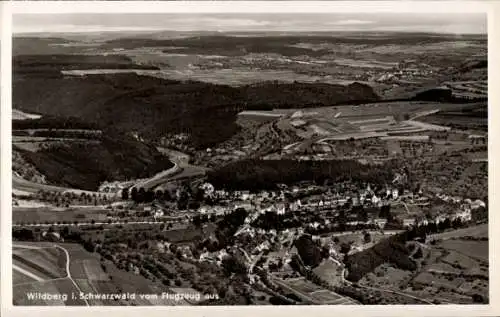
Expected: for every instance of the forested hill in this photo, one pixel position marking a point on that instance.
(153, 106)
(254, 174)
(86, 164)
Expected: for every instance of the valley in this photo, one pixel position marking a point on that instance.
(240, 168)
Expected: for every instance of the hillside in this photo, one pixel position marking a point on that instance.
(85, 165)
(390, 250)
(153, 107)
(240, 45)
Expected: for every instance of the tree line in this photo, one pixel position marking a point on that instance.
(255, 174)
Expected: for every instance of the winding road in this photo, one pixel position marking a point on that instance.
(39, 279)
(68, 273)
(181, 167)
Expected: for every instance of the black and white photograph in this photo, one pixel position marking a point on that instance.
(204, 159)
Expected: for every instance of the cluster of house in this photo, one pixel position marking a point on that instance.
(114, 187)
(214, 257)
(405, 70)
(356, 198)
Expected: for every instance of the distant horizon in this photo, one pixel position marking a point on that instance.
(236, 33)
(441, 23)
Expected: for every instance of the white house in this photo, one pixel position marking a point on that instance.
(465, 215)
(395, 194)
(208, 189)
(380, 222)
(159, 213)
(280, 209)
(203, 210)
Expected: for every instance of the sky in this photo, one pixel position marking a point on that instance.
(456, 23)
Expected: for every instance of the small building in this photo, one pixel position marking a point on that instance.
(395, 194)
(280, 209)
(159, 213)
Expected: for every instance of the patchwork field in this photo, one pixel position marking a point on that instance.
(55, 288)
(39, 264)
(311, 292)
(322, 130)
(41, 268)
(454, 270)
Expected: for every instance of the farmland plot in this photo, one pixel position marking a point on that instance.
(40, 262)
(57, 288)
(474, 249)
(21, 278)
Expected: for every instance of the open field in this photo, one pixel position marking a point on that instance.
(474, 249)
(20, 277)
(20, 115)
(86, 274)
(49, 215)
(47, 262)
(458, 121)
(28, 186)
(479, 231)
(302, 285)
(189, 171)
(382, 121)
(327, 297)
(260, 114)
(309, 292)
(56, 288)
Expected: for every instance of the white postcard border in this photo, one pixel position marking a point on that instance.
(491, 7)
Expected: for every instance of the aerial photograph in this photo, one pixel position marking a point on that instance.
(250, 159)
